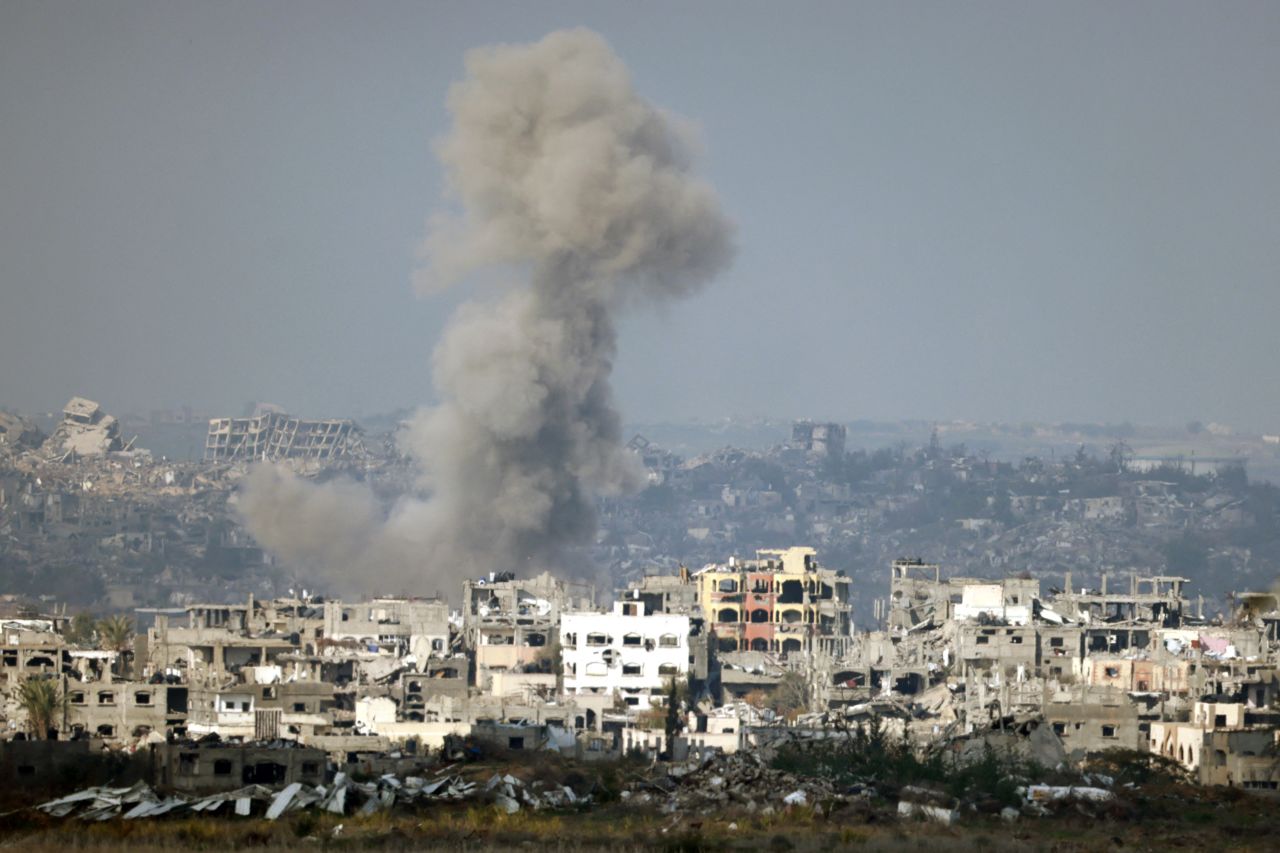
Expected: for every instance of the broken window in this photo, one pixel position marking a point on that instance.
(264, 773)
(669, 641)
(668, 669)
(1055, 642)
(187, 762)
(982, 641)
(632, 640)
(77, 698)
(597, 640)
(515, 743)
(1113, 672)
(106, 731)
(1016, 640)
(299, 707)
(1108, 731)
(792, 593)
(1060, 728)
(106, 697)
(142, 698)
(268, 693)
(631, 669)
(222, 767)
(310, 768)
(727, 585)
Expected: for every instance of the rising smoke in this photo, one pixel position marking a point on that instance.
(567, 177)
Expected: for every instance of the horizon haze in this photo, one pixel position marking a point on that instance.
(992, 212)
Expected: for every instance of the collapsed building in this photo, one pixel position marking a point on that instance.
(85, 430)
(511, 624)
(273, 435)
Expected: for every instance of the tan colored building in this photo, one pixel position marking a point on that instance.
(782, 601)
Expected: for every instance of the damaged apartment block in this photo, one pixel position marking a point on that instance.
(274, 435)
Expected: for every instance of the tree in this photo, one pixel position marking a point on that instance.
(674, 723)
(44, 703)
(792, 694)
(1120, 454)
(116, 633)
(81, 630)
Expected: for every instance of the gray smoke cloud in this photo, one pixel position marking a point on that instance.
(561, 174)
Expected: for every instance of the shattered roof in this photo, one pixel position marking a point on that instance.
(79, 407)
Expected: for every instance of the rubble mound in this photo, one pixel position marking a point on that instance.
(741, 780)
(18, 432)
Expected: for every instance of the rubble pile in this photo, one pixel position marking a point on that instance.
(742, 780)
(343, 796)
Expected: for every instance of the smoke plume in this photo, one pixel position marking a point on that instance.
(561, 174)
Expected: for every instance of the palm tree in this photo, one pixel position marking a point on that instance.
(116, 633)
(44, 703)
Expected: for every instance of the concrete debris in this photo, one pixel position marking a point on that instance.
(1053, 793)
(742, 779)
(342, 796)
(924, 810)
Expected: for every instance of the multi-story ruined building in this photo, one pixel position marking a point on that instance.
(400, 626)
(276, 435)
(511, 623)
(782, 601)
(627, 652)
(1154, 600)
(825, 439)
(918, 596)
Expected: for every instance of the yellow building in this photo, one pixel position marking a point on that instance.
(781, 601)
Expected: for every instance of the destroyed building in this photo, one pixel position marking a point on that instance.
(275, 435)
(84, 431)
(206, 768)
(510, 623)
(822, 439)
(781, 601)
(396, 626)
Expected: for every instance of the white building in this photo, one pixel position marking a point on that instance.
(627, 652)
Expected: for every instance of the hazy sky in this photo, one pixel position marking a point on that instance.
(995, 211)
